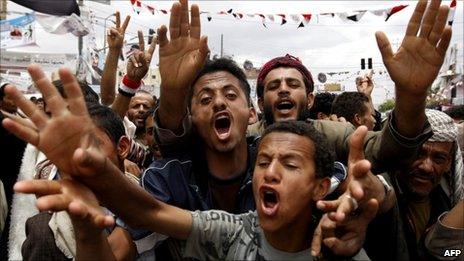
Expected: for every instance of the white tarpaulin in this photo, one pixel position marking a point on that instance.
(63, 24)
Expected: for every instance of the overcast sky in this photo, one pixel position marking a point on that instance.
(325, 45)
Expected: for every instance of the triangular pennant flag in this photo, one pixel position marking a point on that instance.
(284, 21)
(208, 16)
(240, 15)
(295, 17)
(301, 25)
(451, 12)
(356, 17)
(251, 15)
(151, 9)
(306, 18)
(270, 17)
(229, 11)
(222, 13)
(164, 11)
(394, 10)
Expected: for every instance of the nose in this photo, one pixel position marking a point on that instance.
(272, 173)
(219, 103)
(284, 90)
(426, 165)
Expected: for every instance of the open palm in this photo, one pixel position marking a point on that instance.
(417, 62)
(181, 57)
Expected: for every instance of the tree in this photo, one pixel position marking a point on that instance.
(387, 105)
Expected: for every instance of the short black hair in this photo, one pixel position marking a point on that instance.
(348, 104)
(107, 120)
(226, 65)
(323, 155)
(90, 96)
(456, 112)
(322, 103)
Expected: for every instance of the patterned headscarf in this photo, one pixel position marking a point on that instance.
(284, 61)
(445, 130)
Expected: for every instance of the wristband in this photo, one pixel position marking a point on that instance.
(128, 86)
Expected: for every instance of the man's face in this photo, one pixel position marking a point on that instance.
(284, 181)
(424, 174)
(41, 105)
(138, 106)
(367, 118)
(220, 111)
(284, 96)
(150, 137)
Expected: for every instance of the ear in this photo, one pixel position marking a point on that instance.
(253, 116)
(124, 145)
(321, 189)
(357, 120)
(261, 104)
(310, 100)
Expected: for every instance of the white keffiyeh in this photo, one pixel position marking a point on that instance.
(445, 130)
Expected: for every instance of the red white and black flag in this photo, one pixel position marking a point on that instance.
(451, 12)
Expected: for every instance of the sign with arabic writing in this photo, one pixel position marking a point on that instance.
(18, 31)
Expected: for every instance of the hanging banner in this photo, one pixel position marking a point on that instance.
(18, 31)
(63, 24)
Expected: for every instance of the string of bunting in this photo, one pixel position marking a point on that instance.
(301, 19)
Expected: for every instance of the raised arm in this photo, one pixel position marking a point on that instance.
(115, 39)
(180, 60)
(416, 63)
(137, 67)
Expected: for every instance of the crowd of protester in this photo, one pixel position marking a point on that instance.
(197, 174)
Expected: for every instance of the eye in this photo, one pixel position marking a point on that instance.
(290, 165)
(205, 100)
(263, 163)
(273, 86)
(231, 96)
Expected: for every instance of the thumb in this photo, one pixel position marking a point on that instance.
(89, 162)
(384, 46)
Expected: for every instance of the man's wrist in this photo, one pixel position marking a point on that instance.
(129, 87)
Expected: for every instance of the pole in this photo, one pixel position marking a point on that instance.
(80, 39)
(222, 45)
(3, 9)
(104, 38)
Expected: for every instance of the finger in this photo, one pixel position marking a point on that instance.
(49, 92)
(151, 48)
(429, 18)
(174, 22)
(370, 211)
(342, 119)
(141, 59)
(184, 18)
(31, 110)
(444, 42)
(333, 117)
(141, 41)
(328, 205)
(344, 247)
(118, 19)
(73, 91)
(55, 203)
(22, 121)
(42, 187)
(134, 61)
(357, 144)
(125, 24)
(162, 38)
(113, 32)
(23, 132)
(91, 161)
(416, 18)
(439, 25)
(195, 24)
(81, 212)
(384, 46)
(316, 242)
(204, 49)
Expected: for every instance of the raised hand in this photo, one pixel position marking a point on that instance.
(366, 85)
(183, 55)
(116, 34)
(417, 62)
(69, 126)
(139, 61)
(71, 196)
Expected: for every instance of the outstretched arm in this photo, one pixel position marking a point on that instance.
(115, 40)
(416, 63)
(180, 60)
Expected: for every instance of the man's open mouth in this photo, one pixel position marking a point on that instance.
(222, 125)
(285, 106)
(270, 201)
